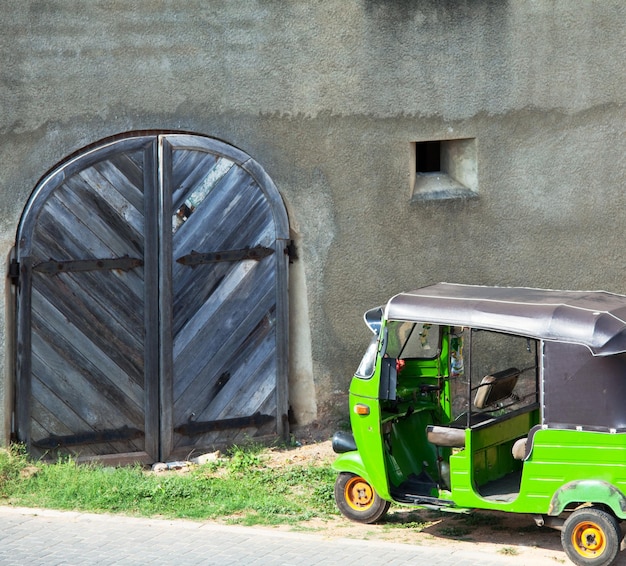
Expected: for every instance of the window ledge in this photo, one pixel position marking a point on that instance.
(439, 186)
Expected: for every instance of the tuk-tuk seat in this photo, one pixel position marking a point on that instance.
(523, 447)
(446, 436)
(495, 387)
(519, 448)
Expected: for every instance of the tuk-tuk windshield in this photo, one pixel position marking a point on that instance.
(368, 363)
(412, 340)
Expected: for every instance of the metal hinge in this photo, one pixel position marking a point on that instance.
(195, 428)
(53, 267)
(291, 251)
(92, 437)
(14, 271)
(256, 253)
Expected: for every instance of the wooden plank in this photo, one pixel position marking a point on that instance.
(106, 328)
(98, 362)
(23, 390)
(46, 421)
(188, 170)
(152, 344)
(243, 278)
(226, 324)
(106, 287)
(125, 177)
(193, 395)
(223, 202)
(100, 186)
(79, 394)
(255, 233)
(57, 242)
(164, 302)
(202, 144)
(103, 221)
(52, 419)
(247, 228)
(51, 183)
(256, 374)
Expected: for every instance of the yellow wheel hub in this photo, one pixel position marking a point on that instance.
(359, 494)
(588, 539)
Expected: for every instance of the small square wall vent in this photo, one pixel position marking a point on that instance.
(444, 169)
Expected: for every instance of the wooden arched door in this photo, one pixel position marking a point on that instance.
(151, 302)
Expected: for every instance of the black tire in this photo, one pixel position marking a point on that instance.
(357, 500)
(591, 537)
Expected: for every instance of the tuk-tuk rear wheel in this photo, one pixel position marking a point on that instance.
(357, 500)
(591, 537)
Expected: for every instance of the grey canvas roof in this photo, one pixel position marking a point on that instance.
(596, 319)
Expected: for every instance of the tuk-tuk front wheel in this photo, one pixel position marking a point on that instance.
(357, 499)
(591, 537)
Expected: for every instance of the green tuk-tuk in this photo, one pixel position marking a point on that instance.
(510, 399)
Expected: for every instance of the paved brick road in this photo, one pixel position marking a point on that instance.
(34, 536)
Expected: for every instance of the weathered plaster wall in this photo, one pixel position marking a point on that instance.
(328, 95)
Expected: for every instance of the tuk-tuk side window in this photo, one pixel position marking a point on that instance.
(504, 372)
(368, 362)
(499, 373)
(408, 340)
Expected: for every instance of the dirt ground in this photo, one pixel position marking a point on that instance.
(488, 531)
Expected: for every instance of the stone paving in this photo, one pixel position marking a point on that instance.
(36, 536)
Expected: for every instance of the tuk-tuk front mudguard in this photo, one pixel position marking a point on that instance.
(353, 463)
(588, 491)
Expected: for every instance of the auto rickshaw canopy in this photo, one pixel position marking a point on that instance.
(595, 319)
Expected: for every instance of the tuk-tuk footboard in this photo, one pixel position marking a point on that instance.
(505, 489)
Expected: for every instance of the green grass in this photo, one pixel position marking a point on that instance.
(238, 488)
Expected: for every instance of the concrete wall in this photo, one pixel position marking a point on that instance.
(328, 96)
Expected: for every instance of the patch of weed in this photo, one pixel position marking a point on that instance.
(240, 487)
(242, 458)
(13, 464)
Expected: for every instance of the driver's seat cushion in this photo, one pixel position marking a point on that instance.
(519, 448)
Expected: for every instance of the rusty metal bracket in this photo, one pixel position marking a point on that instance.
(197, 258)
(194, 428)
(53, 267)
(115, 435)
(292, 251)
(14, 271)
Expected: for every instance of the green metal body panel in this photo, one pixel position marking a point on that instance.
(353, 463)
(565, 467)
(368, 437)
